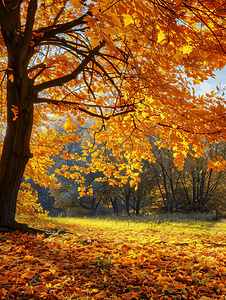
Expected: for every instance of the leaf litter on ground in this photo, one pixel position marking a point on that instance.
(99, 259)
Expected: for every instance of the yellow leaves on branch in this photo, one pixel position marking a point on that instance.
(179, 57)
(187, 49)
(76, 3)
(27, 201)
(128, 19)
(197, 81)
(219, 164)
(81, 190)
(179, 161)
(93, 39)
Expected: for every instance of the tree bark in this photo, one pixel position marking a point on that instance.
(166, 189)
(174, 195)
(138, 202)
(114, 205)
(16, 152)
(127, 197)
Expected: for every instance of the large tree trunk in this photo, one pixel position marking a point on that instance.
(16, 151)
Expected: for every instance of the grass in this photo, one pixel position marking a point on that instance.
(195, 220)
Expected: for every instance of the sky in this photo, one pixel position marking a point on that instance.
(210, 85)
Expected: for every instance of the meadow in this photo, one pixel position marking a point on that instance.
(115, 259)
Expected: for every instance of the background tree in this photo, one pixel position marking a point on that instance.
(201, 183)
(194, 186)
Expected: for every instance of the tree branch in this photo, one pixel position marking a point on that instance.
(107, 75)
(58, 102)
(41, 65)
(59, 14)
(47, 100)
(123, 112)
(39, 73)
(60, 81)
(32, 7)
(62, 28)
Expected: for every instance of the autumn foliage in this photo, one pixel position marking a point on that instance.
(129, 66)
(94, 259)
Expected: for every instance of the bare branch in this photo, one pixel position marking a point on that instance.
(52, 30)
(57, 102)
(60, 81)
(107, 75)
(39, 73)
(41, 65)
(124, 112)
(47, 100)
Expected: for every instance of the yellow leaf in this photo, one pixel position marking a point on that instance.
(161, 36)
(95, 10)
(94, 42)
(20, 250)
(95, 290)
(179, 57)
(197, 81)
(76, 3)
(128, 19)
(11, 77)
(178, 2)
(3, 293)
(13, 289)
(187, 49)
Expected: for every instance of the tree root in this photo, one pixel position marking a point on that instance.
(24, 228)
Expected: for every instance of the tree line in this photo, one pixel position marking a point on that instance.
(161, 186)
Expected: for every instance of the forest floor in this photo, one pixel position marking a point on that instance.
(111, 259)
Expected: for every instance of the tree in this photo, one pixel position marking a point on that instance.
(197, 187)
(130, 65)
(202, 184)
(164, 169)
